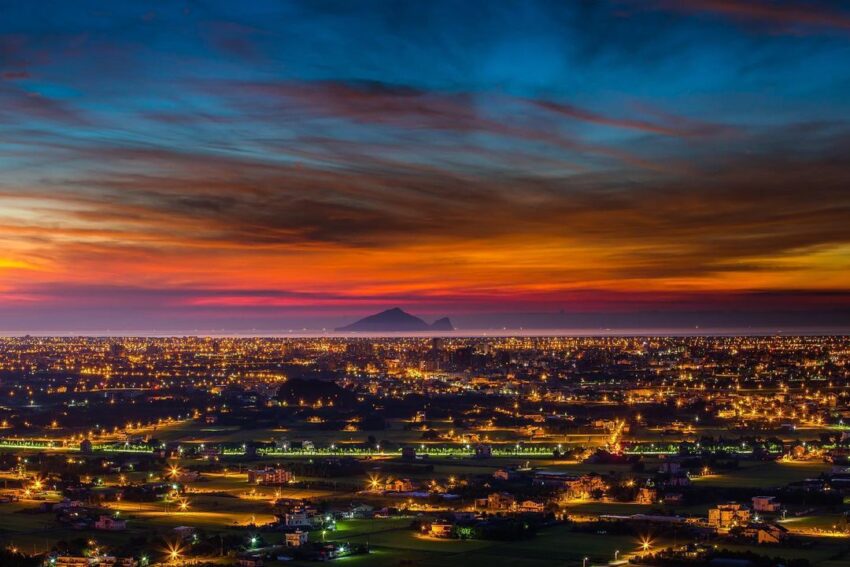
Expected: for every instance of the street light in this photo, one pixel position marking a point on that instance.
(584, 562)
(374, 482)
(616, 553)
(174, 552)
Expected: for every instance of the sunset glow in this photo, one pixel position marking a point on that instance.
(292, 165)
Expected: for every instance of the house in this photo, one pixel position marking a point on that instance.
(296, 538)
(771, 533)
(727, 516)
(765, 533)
(497, 501)
(270, 476)
(585, 486)
(441, 529)
(297, 518)
(110, 524)
(283, 505)
(646, 495)
(400, 485)
(765, 504)
(531, 506)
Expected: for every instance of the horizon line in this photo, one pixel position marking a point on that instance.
(677, 332)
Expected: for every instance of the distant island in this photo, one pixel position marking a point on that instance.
(396, 320)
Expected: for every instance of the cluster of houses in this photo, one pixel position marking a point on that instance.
(498, 502)
(754, 522)
(573, 487)
(509, 494)
(77, 515)
(741, 521)
(99, 561)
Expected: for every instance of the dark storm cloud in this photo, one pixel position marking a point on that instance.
(734, 211)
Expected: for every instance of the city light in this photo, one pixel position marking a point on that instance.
(174, 551)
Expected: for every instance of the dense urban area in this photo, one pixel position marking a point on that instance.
(665, 451)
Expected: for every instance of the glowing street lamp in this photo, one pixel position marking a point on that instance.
(374, 482)
(174, 552)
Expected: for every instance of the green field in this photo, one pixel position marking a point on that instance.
(226, 503)
(764, 475)
(558, 545)
(396, 432)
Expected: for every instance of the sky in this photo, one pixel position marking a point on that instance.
(254, 165)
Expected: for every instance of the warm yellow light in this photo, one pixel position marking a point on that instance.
(374, 482)
(174, 551)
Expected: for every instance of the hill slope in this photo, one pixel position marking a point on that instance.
(395, 320)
